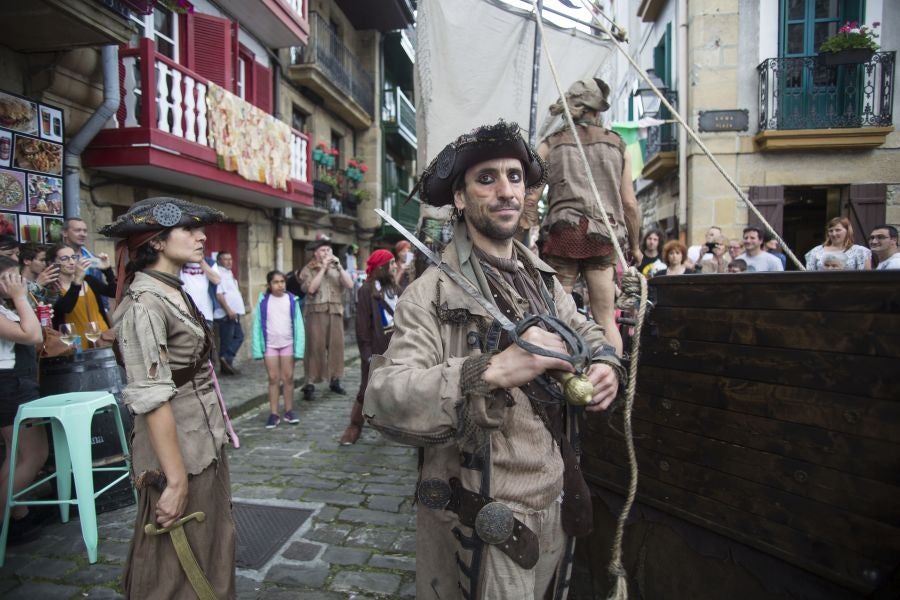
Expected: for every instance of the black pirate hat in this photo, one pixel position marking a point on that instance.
(488, 142)
(156, 214)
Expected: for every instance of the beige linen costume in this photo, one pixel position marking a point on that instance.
(414, 396)
(323, 315)
(162, 341)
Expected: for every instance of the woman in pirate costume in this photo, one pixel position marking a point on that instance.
(177, 446)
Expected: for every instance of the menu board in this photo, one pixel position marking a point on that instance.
(31, 169)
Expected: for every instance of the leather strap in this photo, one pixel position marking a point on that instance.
(521, 546)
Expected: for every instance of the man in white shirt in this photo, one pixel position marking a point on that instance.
(197, 278)
(883, 244)
(698, 253)
(755, 256)
(228, 313)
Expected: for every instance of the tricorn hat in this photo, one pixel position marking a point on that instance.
(318, 243)
(591, 92)
(488, 142)
(161, 212)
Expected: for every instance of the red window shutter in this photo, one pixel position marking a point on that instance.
(223, 237)
(769, 200)
(866, 209)
(262, 87)
(211, 49)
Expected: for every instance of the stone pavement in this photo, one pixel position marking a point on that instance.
(358, 543)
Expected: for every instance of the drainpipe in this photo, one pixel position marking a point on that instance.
(96, 122)
(684, 107)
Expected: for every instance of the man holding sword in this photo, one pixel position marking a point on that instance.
(501, 495)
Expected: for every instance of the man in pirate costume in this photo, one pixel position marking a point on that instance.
(500, 492)
(184, 538)
(377, 299)
(576, 241)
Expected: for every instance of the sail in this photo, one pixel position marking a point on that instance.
(474, 65)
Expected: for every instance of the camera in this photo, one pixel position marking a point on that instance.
(710, 245)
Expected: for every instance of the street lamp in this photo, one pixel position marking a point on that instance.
(650, 102)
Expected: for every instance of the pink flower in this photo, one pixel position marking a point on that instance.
(363, 169)
(876, 24)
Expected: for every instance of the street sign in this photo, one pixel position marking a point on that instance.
(724, 120)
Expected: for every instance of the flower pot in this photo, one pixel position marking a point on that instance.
(848, 56)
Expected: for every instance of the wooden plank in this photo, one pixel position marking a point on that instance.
(853, 532)
(850, 291)
(814, 445)
(872, 499)
(843, 332)
(864, 417)
(871, 376)
(783, 542)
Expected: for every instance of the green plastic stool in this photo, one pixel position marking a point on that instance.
(70, 417)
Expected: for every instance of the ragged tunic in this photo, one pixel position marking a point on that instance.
(414, 397)
(164, 347)
(158, 336)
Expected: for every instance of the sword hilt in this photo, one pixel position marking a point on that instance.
(151, 529)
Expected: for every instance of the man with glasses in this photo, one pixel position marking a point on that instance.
(883, 244)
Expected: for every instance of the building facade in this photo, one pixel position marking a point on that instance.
(805, 139)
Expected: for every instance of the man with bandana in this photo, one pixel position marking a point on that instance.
(500, 495)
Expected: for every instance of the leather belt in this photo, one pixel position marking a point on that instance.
(492, 521)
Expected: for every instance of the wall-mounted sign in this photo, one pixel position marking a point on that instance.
(31, 166)
(724, 120)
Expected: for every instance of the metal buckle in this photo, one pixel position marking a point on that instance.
(494, 523)
(434, 493)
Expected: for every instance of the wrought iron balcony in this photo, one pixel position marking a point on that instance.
(399, 114)
(805, 93)
(331, 70)
(664, 138)
(662, 143)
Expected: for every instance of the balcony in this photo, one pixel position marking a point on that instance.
(662, 143)
(383, 15)
(805, 104)
(398, 115)
(278, 23)
(161, 134)
(330, 70)
(59, 25)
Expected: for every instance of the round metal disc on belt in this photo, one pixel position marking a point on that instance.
(434, 493)
(494, 523)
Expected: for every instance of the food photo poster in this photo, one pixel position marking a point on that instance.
(31, 168)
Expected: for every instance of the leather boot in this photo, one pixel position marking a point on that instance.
(335, 386)
(351, 434)
(309, 392)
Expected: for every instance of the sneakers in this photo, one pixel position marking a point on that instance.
(335, 386)
(273, 421)
(290, 417)
(309, 392)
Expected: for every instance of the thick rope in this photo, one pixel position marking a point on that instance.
(632, 283)
(601, 25)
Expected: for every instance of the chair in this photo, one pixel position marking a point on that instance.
(70, 417)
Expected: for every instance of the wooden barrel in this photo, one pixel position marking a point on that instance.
(767, 431)
(90, 371)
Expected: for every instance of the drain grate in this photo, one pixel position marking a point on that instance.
(262, 530)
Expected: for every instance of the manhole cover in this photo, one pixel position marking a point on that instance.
(262, 530)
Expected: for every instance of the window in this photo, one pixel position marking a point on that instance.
(162, 27)
(337, 141)
(299, 119)
(243, 79)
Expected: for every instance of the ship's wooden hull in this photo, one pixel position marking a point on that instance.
(767, 429)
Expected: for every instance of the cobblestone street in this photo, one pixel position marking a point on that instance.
(358, 543)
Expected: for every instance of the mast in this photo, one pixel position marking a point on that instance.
(535, 76)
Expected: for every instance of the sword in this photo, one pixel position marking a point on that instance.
(186, 557)
(577, 388)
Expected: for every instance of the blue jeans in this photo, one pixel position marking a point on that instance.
(231, 336)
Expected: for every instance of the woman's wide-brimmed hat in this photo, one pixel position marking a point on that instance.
(503, 140)
(158, 213)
